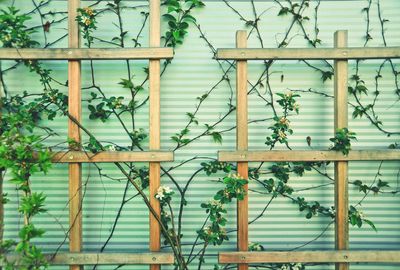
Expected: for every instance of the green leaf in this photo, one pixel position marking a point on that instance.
(362, 89)
(169, 17)
(326, 75)
(126, 83)
(189, 18)
(283, 11)
(370, 223)
(217, 137)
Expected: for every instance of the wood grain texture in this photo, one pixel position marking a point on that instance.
(86, 54)
(74, 109)
(154, 119)
(387, 256)
(308, 53)
(1, 181)
(1, 207)
(306, 155)
(111, 157)
(242, 144)
(341, 167)
(108, 258)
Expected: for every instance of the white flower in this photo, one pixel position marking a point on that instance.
(289, 94)
(297, 266)
(167, 190)
(162, 191)
(83, 19)
(88, 10)
(111, 148)
(281, 134)
(285, 267)
(284, 121)
(160, 196)
(216, 203)
(255, 246)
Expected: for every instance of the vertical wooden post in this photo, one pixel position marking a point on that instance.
(1, 179)
(341, 167)
(154, 119)
(241, 144)
(1, 206)
(74, 108)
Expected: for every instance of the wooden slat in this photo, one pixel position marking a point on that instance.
(86, 54)
(242, 144)
(1, 180)
(311, 257)
(74, 109)
(102, 157)
(1, 208)
(341, 167)
(308, 53)
(306, 155)
(107, 258)
(154, 121)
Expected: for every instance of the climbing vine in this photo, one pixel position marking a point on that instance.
(26, 148)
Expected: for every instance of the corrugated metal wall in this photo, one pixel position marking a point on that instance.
(194, 72)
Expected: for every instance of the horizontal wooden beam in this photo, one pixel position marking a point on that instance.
(305, 155)
(107, 258)
(308, 53)
(103, 157)
(86, 54)
(389, 256)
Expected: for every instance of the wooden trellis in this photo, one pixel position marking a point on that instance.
(74, 54)
(340, 54)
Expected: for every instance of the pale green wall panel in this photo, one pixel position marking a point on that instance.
(192, 73)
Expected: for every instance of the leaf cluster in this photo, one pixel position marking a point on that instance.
(215, 233)
(342, 140)
(281, 127)
(13, 31)
(178, 18)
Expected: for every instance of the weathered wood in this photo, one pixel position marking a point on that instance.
(154, 132)
(308, 53)
(346, 256)
(306, 155)
(74, 109)
(107, 258)
(1, 207)
(242, 144)
(1, 181)
(86, 54)
(102, 157)
(341, 167)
